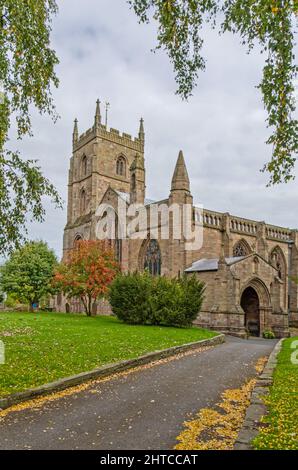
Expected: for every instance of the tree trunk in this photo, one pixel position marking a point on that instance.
(85, 306)
(89, 306)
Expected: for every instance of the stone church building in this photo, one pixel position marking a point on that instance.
(248, 266)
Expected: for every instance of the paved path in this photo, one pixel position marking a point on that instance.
(142, 410)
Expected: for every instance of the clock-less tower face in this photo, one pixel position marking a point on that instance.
(101, 159)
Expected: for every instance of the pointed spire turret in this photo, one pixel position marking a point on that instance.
(141, 130)
(180, 180)
(75, 135)
(97, 119)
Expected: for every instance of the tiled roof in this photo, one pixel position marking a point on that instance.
(211, 264)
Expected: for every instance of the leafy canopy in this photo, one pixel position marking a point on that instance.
(268, 23)
(87, 272)
(28, 273)
(26, 75)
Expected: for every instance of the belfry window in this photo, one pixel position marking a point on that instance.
(121, 166)
(152, 260)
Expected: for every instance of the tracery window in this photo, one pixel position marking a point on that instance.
(121, 166)
(152, 260)
(241, 249)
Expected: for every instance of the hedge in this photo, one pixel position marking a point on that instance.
(139, 298)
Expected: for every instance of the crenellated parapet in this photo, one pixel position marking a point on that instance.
(101, 131)
(112, 135)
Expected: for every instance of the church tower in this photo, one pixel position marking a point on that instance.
(102, 157)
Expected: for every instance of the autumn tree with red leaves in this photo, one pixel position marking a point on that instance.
(87, 272)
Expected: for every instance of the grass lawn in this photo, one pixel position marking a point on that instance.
(43, 347)
(282, 430)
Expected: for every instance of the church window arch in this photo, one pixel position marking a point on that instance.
(241, 248)
(77, 239)
(152, 258)
(277, 260)
(121, 166)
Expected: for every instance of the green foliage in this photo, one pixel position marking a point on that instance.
(279, 431)
(11, 301)
(270, 24)
(268, 334)
(45, 347)
(139, 298)
(27, 73)
(128, 295)
(28, 273)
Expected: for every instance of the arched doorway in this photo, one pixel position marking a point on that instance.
(250, 303)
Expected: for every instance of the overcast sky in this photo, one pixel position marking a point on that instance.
(104, 53)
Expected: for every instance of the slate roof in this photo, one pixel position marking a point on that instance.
(211, 264)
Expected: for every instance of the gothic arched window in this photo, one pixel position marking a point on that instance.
(241, 249)
(121, 166)
(77, 239)
(84, 166)
(277, 260)
(152, 260)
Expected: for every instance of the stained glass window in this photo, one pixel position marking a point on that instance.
(153, 258)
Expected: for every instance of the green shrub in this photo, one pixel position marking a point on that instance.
(268, 334)
(165, 302)
(128, 296)
(11, 302)
(142, 299)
